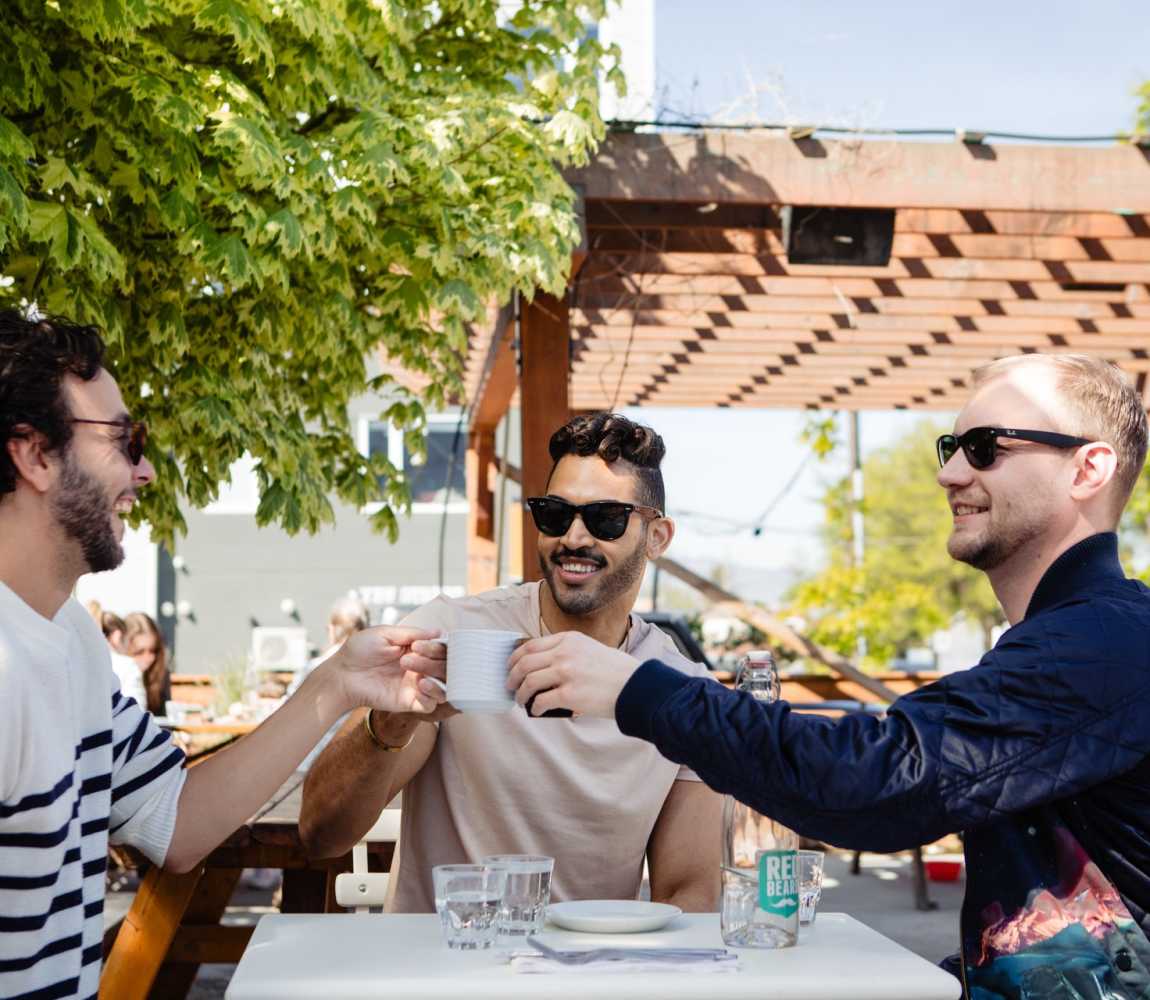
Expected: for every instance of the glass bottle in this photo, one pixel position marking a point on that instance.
(760, 904)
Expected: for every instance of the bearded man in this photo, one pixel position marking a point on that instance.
(81, 763)
(572, 788)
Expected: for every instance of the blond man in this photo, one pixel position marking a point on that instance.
(1039, 755)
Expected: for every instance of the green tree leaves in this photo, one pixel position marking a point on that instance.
(254, 197)
(908, 587)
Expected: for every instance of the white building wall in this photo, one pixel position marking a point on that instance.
(131, 586)
(630, 24)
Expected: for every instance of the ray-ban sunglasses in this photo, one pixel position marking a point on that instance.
(604, 519)
(980, 444)
(133, 440)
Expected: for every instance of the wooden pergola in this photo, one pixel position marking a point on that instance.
(683, 293)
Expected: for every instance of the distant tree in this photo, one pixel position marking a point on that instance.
(1143, 121)
(908, 587)
(251, 196)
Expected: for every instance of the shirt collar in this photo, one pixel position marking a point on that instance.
(1079, 569)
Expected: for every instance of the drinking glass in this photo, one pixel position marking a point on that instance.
(810, 885)
(528, 892)
(468, 899)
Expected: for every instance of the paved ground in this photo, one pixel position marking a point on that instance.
(881, 896)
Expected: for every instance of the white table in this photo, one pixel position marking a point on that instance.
(347, 957)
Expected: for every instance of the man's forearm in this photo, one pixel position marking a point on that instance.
(220, 794)
(354, 778)
(700, 896)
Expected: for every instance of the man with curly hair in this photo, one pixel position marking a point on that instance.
(82, 764)
(573, 788)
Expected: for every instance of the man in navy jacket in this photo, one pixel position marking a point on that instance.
(1039, 754)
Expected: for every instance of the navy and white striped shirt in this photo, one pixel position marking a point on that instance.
(79, 765)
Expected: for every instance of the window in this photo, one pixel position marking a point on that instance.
(428, 480)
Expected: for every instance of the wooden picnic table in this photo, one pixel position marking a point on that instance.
(174, 923)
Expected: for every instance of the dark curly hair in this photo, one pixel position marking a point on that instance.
(35, 355)
(614, 438)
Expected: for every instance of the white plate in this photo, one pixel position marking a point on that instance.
(611, 916)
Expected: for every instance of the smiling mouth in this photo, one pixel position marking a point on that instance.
(574, 569)
(124, 505)
(966, 509)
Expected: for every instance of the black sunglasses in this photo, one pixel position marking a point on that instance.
(980, 444)
(135, 435)
(605, 519)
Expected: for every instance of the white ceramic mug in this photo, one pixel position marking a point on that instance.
(477, 669)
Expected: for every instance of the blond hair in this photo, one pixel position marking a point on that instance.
(1101, 403)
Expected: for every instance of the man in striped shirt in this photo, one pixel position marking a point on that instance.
(80, 764)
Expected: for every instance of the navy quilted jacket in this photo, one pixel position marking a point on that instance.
(1039, 754)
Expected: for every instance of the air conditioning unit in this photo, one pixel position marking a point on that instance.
(279, 648)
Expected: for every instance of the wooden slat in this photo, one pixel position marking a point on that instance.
(745, 326)
(639, 285)
(645, 215)
(769, 242)
(697, 265)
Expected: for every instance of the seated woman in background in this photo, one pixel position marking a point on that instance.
(144, 644)
(127, 669)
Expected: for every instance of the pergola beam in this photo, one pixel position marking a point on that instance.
(727, 167)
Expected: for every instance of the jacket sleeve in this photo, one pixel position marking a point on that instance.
(1050, 711)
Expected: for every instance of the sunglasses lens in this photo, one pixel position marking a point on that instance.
(606, 521)
(947, 445)
(981, 448)
(552, 517)
(137, 442)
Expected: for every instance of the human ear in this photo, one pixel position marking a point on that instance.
(659, 536)
(28, 453)
(1095, 466)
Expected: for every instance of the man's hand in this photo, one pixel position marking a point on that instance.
(427, 656)
(378, 668)
(570, 670)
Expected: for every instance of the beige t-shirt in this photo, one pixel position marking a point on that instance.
(575, 789)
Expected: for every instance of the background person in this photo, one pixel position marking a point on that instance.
(127, 670)
(144, 642)
(573, 789)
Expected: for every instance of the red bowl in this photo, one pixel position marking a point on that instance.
(943, 869)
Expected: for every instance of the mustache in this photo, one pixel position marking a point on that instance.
(590, 555)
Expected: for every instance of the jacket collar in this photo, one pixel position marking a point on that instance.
(1080, 569)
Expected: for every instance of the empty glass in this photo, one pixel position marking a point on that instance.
(810, 885)
(468, 899)
(524, 909)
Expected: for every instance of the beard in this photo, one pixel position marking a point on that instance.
(83, 511)
(994, 545)
(588, 600)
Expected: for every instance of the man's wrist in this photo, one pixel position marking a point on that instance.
(390, 730)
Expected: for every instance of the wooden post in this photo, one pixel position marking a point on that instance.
(545, 343)
(482, 552)
(492, 398)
